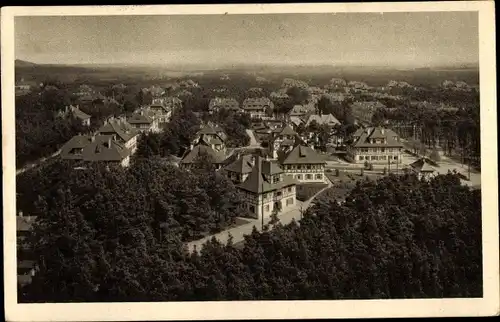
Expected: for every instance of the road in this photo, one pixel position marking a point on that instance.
(37, 163)
(239, 232)
(253, 141)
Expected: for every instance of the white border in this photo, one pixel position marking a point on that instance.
(488, 305)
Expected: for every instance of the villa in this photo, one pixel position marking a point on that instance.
(267, 188)
(122, 132)
(303, 163)
(375, 145)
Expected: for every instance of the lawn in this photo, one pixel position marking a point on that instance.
(307, 190)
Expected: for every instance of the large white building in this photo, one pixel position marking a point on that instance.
(376, 145)
(303, 163)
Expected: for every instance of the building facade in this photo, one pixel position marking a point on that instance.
(267, 189)
(304, 164)
(376, 145)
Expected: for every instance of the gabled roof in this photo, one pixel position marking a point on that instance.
(322, 119)
(258, 182)
(298, 110)
(422, 165)
(376, 133)
(201, 148)
(296, 120)
(104, 148)
(76, 142)
(287, 130)
(302, 154)
(79, 113)
(257, 103)
(119, 127)
(241, 165)
(137, 118)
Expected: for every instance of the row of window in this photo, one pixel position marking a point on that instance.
(380, 149)
(378, 157)
(303, 167)
(308, 176)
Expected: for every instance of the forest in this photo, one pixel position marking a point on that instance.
(100, 236)
(456, 131)
(40, 131)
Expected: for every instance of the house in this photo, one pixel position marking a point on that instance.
(218, 103)
(75, 111)
(423, 168)
(122, 132)
(23, 87)
(26, 264)
(375, 145)
(323, 119)
(214, 135)
(303, 163)
(257, 107)
(363, 111)
(96, 148)
(281, 138)
(239, 168)
(144, 121)
(163, 107)
(302, 110)
(203, 147)
(267, 189)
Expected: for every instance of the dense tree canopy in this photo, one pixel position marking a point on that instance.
(393, 238)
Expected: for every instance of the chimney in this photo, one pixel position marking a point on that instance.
(382, 131)
(92, 138)
(20, 214)
(109, 143)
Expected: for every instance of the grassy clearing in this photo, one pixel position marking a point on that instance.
(307, 190)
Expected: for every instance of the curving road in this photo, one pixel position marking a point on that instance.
(239, 232)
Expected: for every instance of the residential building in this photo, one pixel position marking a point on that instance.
(363, 111)
(218, 103)
(423, 168)
(267, 189)
(239, 169)
(96, 148)
(75, 111)
(257, 107)
(303, 163)
(214, 135)
(321, 119)
(122, 132)
(281, 139)
(24, 87)
(163, 107)
(375, 145)
(302, 110)
(203, 148)
(145, 121)
(26, 262)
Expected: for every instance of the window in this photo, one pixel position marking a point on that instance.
(299, 176)
(308, 167)
(289, 201)
(382, 150)
(289, 189)
(395, 157)
(319, 176)
(308, 176)
(252, 209)
(361, 157)
(374, 157)
(266, 208)
(383, 157)
(278, 194)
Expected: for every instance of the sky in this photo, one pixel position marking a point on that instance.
(416, 39)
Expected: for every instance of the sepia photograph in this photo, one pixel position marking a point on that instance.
(245, 161)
